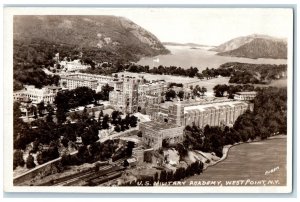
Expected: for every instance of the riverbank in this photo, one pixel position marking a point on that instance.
(185, 57)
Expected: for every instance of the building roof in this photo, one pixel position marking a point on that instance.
(20, 91)
(166, 104)
(78, 79)
(206, 100)
(155, 125)
(246, 93)
(131, 160)
(53, 87)
(218, 105)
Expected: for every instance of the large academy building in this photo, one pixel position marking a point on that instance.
(170, 118)
(35, 95)
(124, 97)
(131, 94)
(155, 132)
(213, 112)
(93, 81)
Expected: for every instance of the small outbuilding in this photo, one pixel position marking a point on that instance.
(130, 162)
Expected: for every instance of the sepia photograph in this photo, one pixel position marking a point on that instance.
(148, 100)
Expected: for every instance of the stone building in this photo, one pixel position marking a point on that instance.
(245, 95)
(131, 94)
(71, 82)
(93, 81)
(72, 66)
(151, 93)
(124, 97)
(212, 112)
(138, 153)
(36, 95)
(153, 133)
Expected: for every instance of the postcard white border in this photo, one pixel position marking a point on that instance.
(8, 103)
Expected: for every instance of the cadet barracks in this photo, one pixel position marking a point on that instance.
(169, 119)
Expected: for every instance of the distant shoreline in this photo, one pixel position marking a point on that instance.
(185, 57)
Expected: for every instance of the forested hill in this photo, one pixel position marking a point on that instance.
(254, 46)
(99, 38)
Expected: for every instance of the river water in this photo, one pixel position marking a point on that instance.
(251, 162)
(185, 57)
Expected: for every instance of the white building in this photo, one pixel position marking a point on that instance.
(93, 81)
(245, 95)
(74, 82)
(36, 95)
(72, 65)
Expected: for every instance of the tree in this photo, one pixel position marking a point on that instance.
(114, 116)
(33, 110)
(30, 162)
(156, 177)
(170, 94)
(203, 91)
(65, 142)
(60, 115)
(165, 143)
(163, 176)
(35, 146)
(181, 94)
(200, 76)
(74, 116)
(105, 91)
(48, 154)
(101, 113)
(84, 115)
(170, 176)
(196, 91)
(50, 110)
(220, 89)
(117, 128)
(65, 160)
(16, 111)
(105, 122)
(18, 159)
(133, 121)
(182, 151)
(90, 135)
(41, 107)
(139, 134)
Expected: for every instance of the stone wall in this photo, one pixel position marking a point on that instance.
(48, 168)
(40, 171)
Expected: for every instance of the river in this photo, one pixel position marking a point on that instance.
(185, 57)
(252, 162)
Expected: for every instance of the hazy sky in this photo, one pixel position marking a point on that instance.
(206, 25)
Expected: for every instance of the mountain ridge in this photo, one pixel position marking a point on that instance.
(96, 39)
(254, 46)
(111, 34)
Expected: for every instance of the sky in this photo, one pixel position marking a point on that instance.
(208, 26)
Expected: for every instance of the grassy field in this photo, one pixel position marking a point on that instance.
(209, 84)
(153, 77)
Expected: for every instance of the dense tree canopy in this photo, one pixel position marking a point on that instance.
(220, 89)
